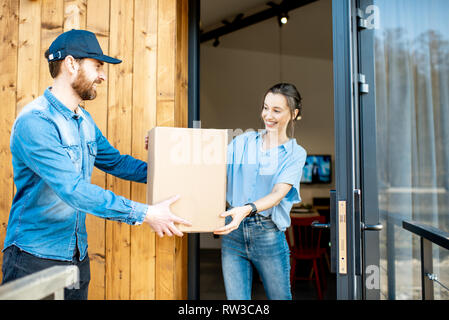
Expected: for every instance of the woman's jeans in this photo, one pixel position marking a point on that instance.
(257, 242)
(18, 263)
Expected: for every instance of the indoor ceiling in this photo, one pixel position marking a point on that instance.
(214, 11)
(308, 32)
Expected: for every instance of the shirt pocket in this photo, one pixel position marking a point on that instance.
(92, 147)
(74, 152)
(92, 150)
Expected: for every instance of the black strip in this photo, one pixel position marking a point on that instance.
(430, 233)
(193, 265)
(238, 24)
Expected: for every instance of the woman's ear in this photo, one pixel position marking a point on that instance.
(296, 114)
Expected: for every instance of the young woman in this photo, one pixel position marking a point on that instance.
(264, 171)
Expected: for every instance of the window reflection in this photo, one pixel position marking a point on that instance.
(412, 110)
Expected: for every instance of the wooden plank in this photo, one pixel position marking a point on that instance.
(180, 272)
(97, 21)
(143, 242)
(166, 63)
(75, 14)
(9, 35)
(29, 53)
(181, 120)
(182, 43)
(171, 253)
(119, 134)
(166, 56)
(52, 19)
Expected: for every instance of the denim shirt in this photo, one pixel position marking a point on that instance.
(54, 151)
(252, 174)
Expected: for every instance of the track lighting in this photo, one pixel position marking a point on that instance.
(283, 18)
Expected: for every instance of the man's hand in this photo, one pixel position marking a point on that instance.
(162, 220)
(238, 214)
(146, 143)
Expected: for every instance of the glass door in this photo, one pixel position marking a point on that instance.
(346, 200)
(403, 94)
(391, 101)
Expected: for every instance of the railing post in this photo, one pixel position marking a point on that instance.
(428, 235)
(46, 284)
(426, 269)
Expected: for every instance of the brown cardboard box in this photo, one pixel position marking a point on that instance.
(191, 163)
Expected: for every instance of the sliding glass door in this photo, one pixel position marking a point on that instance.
(391, 72)
(409, 70)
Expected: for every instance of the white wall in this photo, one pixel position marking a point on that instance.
(233, 83)
(232, 86)
(236, 74)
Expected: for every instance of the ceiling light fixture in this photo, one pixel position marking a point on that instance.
(284, 18)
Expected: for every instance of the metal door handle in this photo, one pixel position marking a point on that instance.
(372, 227)
(318, 225)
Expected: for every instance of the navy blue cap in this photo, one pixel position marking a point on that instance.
(78, 44)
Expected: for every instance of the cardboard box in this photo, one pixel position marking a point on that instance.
(191, 163)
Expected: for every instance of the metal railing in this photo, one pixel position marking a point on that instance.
(45, 284)
(428, 236)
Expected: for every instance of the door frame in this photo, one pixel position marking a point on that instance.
(345, 106)
(193, 264)
(355, 149)
(350, 162)
(368, 159)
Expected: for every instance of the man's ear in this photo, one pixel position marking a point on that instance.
(71, 64)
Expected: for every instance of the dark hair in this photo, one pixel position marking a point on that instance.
(294, 101)
(55, 66)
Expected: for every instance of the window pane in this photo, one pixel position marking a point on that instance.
(412, 110)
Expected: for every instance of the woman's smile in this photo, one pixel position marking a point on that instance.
(275, 112)
(270, 124)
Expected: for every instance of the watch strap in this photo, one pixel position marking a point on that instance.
(253, 210)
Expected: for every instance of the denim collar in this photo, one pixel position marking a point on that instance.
(66, 112)
(287, 146)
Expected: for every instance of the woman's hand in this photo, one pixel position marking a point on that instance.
(238, 214)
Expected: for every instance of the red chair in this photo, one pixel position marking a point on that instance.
(304, 242)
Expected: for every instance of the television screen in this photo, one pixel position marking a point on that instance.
(317, 169)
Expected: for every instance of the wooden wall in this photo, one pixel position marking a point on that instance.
(148, 88)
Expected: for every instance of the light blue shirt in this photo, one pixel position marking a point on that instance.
(252, 173)
(54, 151)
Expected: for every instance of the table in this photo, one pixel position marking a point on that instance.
(301, 213)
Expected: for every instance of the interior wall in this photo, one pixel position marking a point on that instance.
(233, 83)
(236, 74)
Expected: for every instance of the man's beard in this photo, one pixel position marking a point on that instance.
(83, 87)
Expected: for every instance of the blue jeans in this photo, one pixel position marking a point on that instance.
(259, 243)
(18, 263)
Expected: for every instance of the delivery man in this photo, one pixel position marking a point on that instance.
(55, 144)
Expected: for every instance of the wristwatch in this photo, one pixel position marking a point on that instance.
(253, 210)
